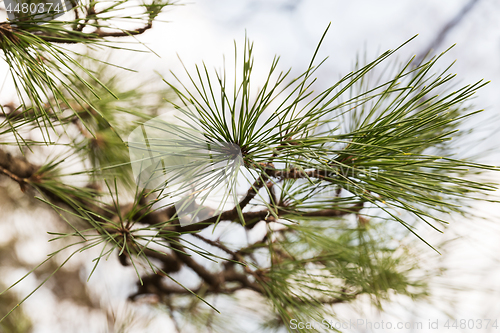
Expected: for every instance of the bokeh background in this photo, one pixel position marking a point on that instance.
(205, 30)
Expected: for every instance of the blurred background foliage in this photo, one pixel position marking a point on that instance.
(71, 118)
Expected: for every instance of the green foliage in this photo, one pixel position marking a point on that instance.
(333, 174)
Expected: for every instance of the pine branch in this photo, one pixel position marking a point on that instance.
(302, 265)
(7, 32)
(75, 37)
(17, 168)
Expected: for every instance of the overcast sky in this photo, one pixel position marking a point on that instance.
(206, 30)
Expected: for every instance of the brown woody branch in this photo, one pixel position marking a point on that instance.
(75, 35)
(212, 279)
(213, 282)
(17, 168)
(73, 38)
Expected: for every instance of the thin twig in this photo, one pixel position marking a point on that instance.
(445, 30)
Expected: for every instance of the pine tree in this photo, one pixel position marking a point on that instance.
(327, 180)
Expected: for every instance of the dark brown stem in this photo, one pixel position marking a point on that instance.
(17, 168)
(212, 279)
(71, 38)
